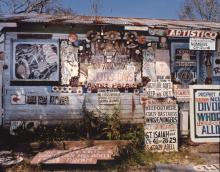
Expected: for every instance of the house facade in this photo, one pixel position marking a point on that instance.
(54, 67)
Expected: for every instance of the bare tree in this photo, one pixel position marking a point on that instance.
(30, 6)
(95, 7)
(206, 10)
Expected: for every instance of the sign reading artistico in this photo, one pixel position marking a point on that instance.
(205, 113)
(161, 119)
(192, 33)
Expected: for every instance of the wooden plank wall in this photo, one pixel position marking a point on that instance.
(130, 108)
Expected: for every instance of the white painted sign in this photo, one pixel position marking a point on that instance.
(201, 44)
(181, 92)
(108, 97)
(205, 113)
(207, 168)
(148, 69)
(162, 88)
(161, 119)
(141, 28)
(162, 62)
(111, 76)
(18, 99)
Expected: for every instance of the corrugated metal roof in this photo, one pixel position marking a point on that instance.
(69, 19)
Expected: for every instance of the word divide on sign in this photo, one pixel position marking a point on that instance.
(205, 110)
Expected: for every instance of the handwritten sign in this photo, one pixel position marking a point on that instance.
(162, 62)
(140, 28)
(111, 76)
(205, 116)
(148, 69)
(108, 97)
(201, 44)
(162, 88)
(181, 92)
(161, 119)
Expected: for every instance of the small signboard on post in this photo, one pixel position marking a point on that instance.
(161, 119)
(205, 113)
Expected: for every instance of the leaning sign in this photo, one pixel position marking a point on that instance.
(205, 113)
(201, 44)
(161, 120)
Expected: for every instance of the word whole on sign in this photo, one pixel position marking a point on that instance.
(205, 113)
(161, 119)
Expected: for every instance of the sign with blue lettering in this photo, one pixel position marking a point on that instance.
(205, 113)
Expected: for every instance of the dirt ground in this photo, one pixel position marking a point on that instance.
(205, 154)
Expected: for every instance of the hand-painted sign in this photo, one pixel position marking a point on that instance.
(140, 28)
(201, 44)
(205, 113)
(192, 33)
(18, 99)
(110, 77)
(148, 69)
(162, 88)
(181, 92)
(108, 97)
(185, 66)
(162, 62)
(161, 119)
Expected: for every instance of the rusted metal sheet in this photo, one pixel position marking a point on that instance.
(64, 19)
(77, 155)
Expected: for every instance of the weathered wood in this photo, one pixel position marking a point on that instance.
(80, 152)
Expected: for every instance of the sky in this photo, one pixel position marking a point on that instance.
(157, 9)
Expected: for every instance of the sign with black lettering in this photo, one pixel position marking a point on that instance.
(201, 44)
(108, 97)
(161, 119)
(205, 113)
(162, 88)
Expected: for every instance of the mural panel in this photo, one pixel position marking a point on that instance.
(113, 59)
(35, 61)
(69, 62)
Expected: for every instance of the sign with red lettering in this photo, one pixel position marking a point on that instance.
(192, 33)
(205, 113)
(181, 92)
